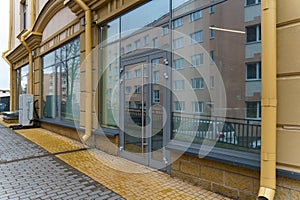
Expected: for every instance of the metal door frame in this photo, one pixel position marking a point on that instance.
(147, 160)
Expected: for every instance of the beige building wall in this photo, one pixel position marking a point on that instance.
(288, 70)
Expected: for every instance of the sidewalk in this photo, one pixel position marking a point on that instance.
(125, 178)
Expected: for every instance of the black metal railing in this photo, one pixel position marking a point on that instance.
(239, 132)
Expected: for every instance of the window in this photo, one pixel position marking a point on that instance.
(22, 81)
(127, 75)
(253, 33)
(195, 16)
(137, 44)
(179, 106)
(253, 71)
(198, 107)
(128, 47)
(155, 43)
(178, 85)
(252, 2)
(212, 81)
(61, 69)
(197, 83)
(178, 64)
(23, 14)
(211, 107)
(178, 43)
(211, 33)
(116, 71)
(146, 40)
(212, 56)
(177, 22)
(197, 60)
(253, 110)
(137, 89)
(110, 79)
(156, 77)
(156, 96)
(138, 73)
(155, 62)
(165, 30)
(128, 89)
(211, 9)
(196, 37)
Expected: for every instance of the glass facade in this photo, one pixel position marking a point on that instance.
(22, 81)
(201, 75)
(61, 69)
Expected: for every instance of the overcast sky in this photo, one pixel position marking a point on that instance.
(4, 67)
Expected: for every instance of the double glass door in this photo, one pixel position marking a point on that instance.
(143, 110)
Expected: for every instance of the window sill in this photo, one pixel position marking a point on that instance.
(58, 123)
(228, 156)
(107, 132)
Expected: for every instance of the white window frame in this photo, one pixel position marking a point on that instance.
(155, 42)
(179, 103)
(258, 71)
(156, 96)
(197, 60)
(178, 85)
(178, 64)
(198, 107)
(258, 110)
(178, 43)
(165, 30)
(251, 4)
(197, 83)
(177, 23)
(257, 33)
(155, 77)
(137, 44)
(146, 40)
(196, 37)
(195, 16)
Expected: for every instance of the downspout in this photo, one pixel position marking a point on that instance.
(23, 36)
(11, 106)
(88, 71)
(269, 101)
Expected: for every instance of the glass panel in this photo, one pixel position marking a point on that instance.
(215, 52)
(157, 109)
(61, 79)
(49, 91)
(135, 116)
(144, 17)
(109, 77)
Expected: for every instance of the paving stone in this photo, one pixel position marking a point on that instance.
(29, 172)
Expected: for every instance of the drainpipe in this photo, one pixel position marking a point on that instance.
(269, 101)
(11, 105)
(88, 71)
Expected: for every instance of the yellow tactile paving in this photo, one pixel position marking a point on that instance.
(128, 179)
(53, 143)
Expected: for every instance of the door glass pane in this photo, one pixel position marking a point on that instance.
(157, 109)
(135, 112)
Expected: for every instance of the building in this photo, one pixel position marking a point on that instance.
(175, 85)
(4, 100)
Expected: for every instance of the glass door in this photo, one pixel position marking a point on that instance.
(143, 113)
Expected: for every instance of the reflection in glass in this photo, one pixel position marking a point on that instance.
(61, 79)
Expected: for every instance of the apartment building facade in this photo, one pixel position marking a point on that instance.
(174, 85)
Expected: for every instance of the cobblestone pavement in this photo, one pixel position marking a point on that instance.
(29, 172)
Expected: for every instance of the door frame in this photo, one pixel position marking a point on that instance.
(147, 159)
